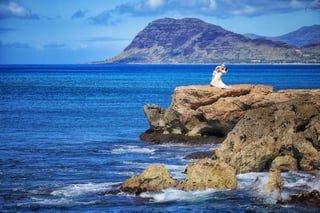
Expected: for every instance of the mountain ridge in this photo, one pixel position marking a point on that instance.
(191, 40)
(301, 37)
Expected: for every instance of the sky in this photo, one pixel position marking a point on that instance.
(81, 31)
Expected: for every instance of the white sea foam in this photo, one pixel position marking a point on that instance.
(178, 195)
(75, 190)
(301, 180)
(132, 149)
(247, 179)
(176, 171)
(62, 201)
(70, 194)
(257, 183)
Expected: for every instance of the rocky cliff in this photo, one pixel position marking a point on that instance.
(284, 126)
(262, 130)
(202, 110)
(191, 40)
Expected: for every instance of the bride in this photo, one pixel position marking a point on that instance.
(216, 76)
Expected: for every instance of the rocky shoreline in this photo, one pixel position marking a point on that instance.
(259, 130)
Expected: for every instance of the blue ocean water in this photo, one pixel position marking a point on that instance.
(70, 133)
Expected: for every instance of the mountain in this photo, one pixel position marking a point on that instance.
(192, 40)
(254, 36)
(301, 37)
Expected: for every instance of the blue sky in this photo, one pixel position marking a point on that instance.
(79, 31)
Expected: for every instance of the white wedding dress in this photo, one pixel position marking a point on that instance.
(217, 81)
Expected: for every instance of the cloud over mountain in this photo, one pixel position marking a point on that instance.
(214, 8)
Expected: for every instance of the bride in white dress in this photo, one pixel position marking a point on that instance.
(216, 76)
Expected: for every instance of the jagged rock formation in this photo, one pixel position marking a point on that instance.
(283, 126)
(264, 131)
(209, 111)
(191, 40)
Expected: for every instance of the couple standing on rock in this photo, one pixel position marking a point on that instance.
(216, 76)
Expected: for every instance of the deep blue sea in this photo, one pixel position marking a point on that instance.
(69, 133)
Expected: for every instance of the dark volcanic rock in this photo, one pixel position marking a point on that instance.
(199, 155)
(157, 137)
(304, 198)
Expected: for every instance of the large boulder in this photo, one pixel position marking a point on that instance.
(283, 136)
(205, 110)
(209, 174)
(153, 178)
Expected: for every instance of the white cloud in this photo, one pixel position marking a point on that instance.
(214, 8)
(246, 10)
(154, 4)
(12, 9)
(213, 4)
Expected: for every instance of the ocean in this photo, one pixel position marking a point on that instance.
(70, 133)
